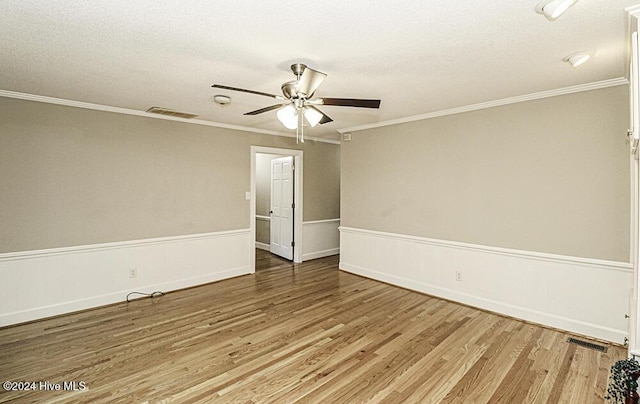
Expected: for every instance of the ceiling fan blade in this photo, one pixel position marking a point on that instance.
(265, 109)
(351, 102)
(247, 91)
(309, 81)
(325, 117)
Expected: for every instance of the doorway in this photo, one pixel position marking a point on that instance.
(259, 216)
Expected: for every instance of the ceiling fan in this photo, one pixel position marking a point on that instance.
(297, 102)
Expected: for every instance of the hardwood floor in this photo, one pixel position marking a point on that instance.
(266, 261)
(303, 333)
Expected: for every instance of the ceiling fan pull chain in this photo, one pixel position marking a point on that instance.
(301, 124)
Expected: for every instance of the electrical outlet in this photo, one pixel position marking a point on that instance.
(133, 272)
(458, 276)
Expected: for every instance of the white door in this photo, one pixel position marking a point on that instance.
(282, 207)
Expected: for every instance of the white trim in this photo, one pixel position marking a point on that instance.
(539, 256)
(321, 238)
(490, 104)
(554, 290)
(535, 316)
(115, 245)
(66, 307)
(317, 237)
(473, 107)
(633, 10)
(631, 68)
(263, 218)
(317, 139)
(128, 111)
(321, 254)
(45, 283)
(263, 246)
(322, 221)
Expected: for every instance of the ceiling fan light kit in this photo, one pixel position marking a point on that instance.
(312, 115)
(297, 102)
(552, 9)
(288, 116)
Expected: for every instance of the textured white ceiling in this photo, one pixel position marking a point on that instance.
(416, 56)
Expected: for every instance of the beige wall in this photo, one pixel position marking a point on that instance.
(263, 183)
(263, 196)
(263, 231)
(549, 175)
(322, 196)
(73, 176)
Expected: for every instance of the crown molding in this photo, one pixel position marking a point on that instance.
(127, 111)
(490, 104)
(452, 111)
(633, 14)
(633, 10)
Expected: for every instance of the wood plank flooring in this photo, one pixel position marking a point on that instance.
(305, 333)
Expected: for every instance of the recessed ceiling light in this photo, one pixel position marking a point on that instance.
(576, 59)
(552, 9)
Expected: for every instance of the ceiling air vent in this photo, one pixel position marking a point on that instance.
(171, 112)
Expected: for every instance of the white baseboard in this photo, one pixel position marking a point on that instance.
(46, 283)
(580, 295)
(263, 246)
(320, 254)
(321, 238)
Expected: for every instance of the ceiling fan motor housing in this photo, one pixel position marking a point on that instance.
(289, 89)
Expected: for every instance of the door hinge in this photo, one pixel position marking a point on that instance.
(293, 205)
(293, 244)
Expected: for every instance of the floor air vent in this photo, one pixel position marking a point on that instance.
(171, 112)
(586, 344)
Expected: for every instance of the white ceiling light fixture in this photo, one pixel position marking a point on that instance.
(577, 59)
(288, 116)
(291, 116)
(313, 115)
(552, 9)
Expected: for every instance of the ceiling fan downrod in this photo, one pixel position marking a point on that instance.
(298, 69)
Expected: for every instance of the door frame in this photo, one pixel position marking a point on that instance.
(634, 125)
(297, 196)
